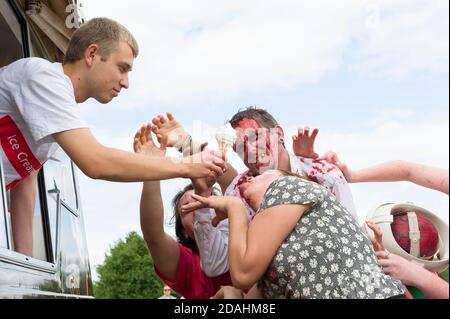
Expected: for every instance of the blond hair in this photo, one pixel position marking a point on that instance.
(104, 32)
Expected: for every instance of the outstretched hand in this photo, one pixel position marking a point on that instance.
(208, 159)
(331, 157)
(169, 131)
(144, 144)
(203, 186)
(304, 143)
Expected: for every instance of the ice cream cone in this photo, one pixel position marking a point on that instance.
(223, 150)
(225, 137)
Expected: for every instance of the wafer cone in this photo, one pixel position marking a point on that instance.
(223, 150)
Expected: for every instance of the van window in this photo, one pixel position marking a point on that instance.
(61, 192)
(58, 173)
(37, 227)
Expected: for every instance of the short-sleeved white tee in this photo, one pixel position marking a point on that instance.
(36, 100)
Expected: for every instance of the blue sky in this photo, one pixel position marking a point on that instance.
(371, 75)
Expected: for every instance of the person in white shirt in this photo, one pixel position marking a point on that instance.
(38, 114)
(261, 145)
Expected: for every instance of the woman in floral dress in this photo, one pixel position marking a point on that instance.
(302, 244)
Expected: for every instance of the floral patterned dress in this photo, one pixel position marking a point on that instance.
(326, 256)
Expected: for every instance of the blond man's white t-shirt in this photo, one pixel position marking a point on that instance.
(36, 101)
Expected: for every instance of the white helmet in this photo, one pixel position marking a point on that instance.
(383, 216)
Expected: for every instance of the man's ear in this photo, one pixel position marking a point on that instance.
(90, 53)
(280, 133)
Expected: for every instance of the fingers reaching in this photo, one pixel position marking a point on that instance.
(156, 121)
(213, 160)
(314, 134)
(139, 138)
(377, 241)
(304, 142)
(191, 207)
(306, 131)
(383, 255)
(142, 138)
(376, 230)
(136, 145)
(162, 119)
(330, 157)
(170, 116)
(148, 133)
(143, 142)
(199, 198)
(216, 170)
(201, 202)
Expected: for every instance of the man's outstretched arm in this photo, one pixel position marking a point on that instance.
(100, 162)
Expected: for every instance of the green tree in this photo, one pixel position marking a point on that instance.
(127, 272)
(444, 275)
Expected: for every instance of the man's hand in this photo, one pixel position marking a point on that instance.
(331, 157)
(168, 131)
(304, 143)
(144, 144)
(198, 164)
(202, 186)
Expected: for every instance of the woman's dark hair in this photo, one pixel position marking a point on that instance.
(291, 174)
(184, 240)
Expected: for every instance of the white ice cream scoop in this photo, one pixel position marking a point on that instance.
(226, 137)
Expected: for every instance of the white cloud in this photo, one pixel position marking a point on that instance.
(411, 137)
(203, 49)
(404, 37)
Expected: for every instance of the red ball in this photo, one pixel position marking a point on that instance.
(429, 236)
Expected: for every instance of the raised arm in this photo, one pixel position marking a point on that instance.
(253, 246)
(396, 171)
(163, 248)
(100, 162)
(423, 175)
